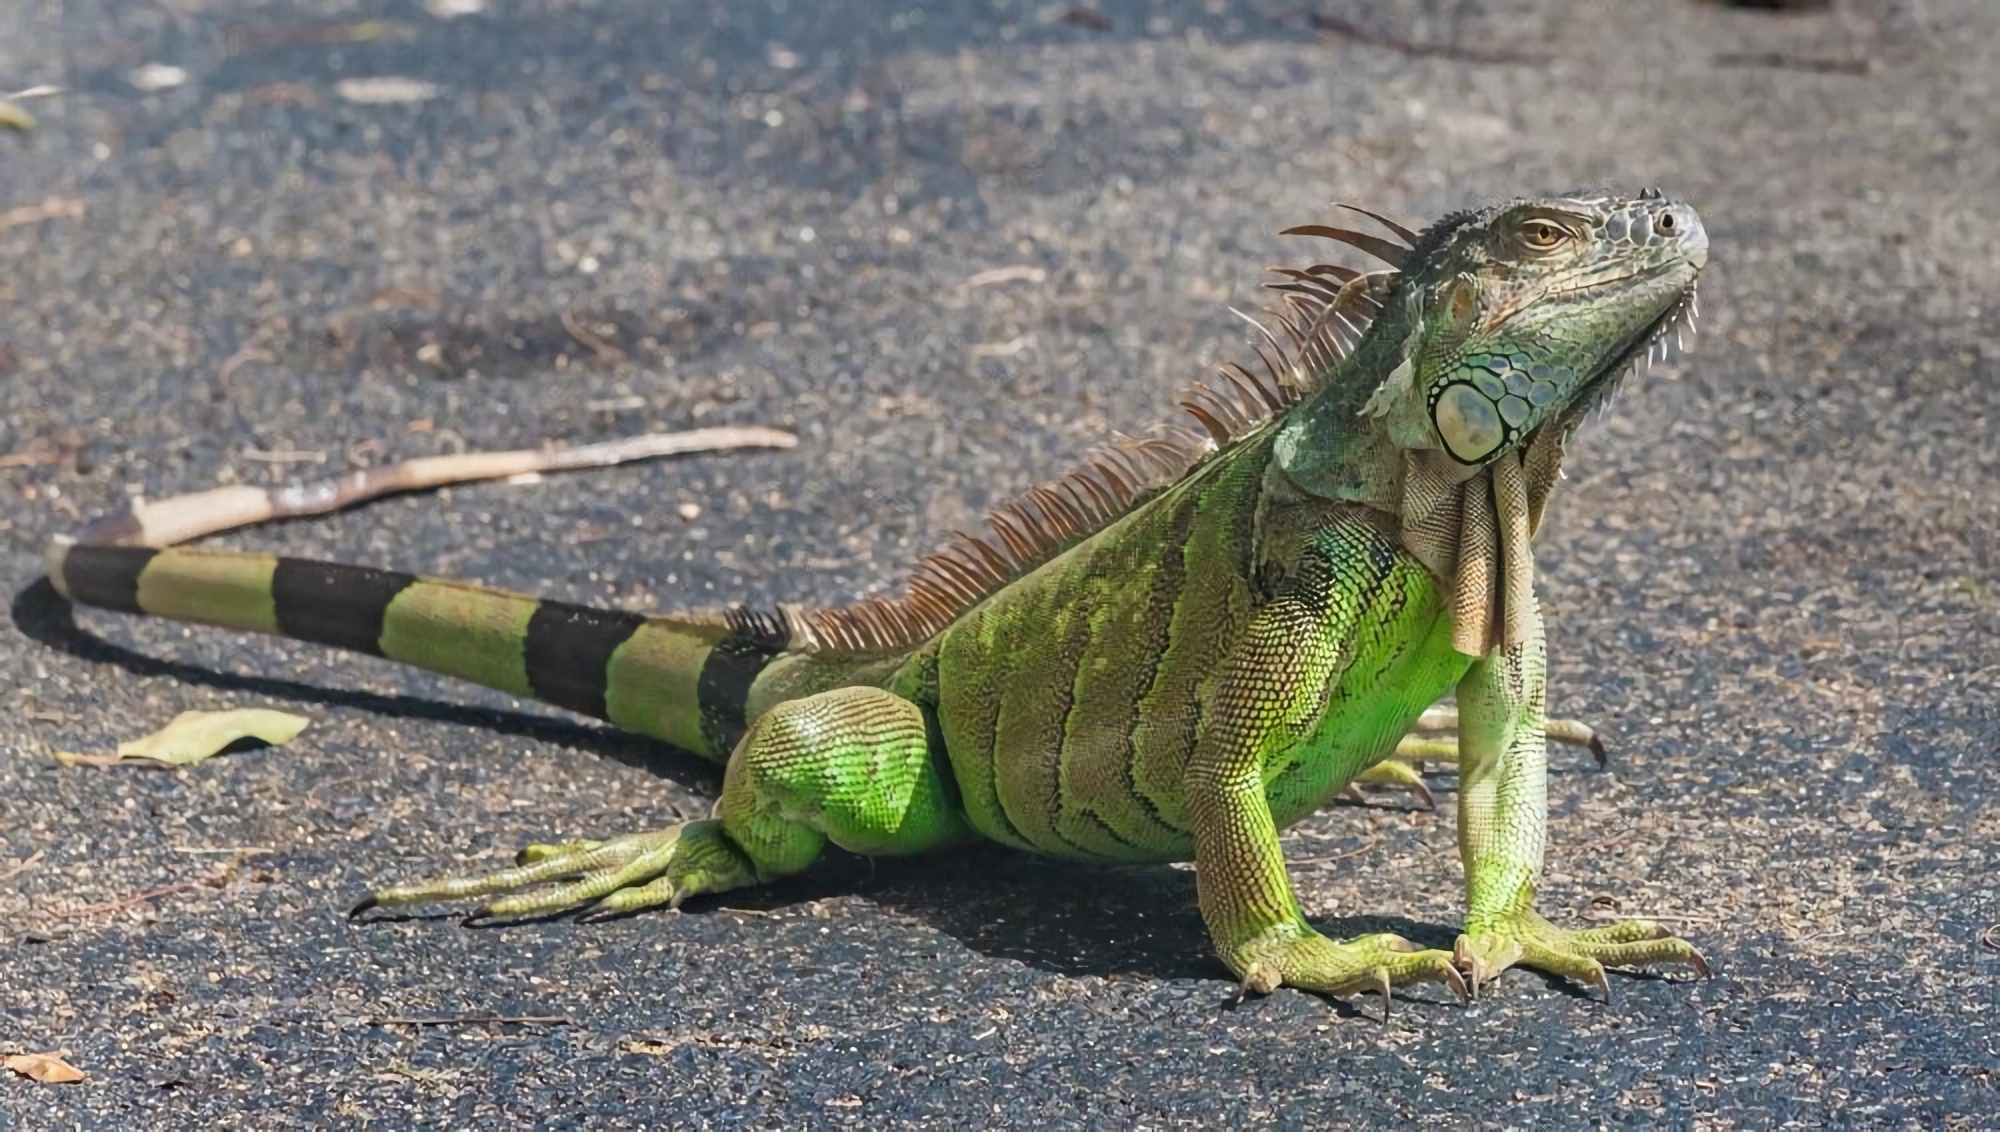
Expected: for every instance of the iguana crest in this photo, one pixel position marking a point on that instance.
(1327, 308)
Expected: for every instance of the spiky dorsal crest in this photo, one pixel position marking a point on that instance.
(1327, 308)
(1021, 534)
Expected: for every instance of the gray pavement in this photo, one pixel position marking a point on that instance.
(1772, 576)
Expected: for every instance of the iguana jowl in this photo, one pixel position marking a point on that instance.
(1175, 652)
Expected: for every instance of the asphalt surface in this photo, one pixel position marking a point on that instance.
(1772, 576)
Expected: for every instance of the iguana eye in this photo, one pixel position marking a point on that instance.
(1542, 236)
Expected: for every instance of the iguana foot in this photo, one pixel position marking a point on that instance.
(1403, 768)
(1580, 954)
(624, 874)
(1315, 963)
(1444, 717)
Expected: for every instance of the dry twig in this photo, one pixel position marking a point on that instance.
(1335, 27)
(168, 521)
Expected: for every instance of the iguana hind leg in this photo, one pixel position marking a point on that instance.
(852, 766)
(1444, 718)
(1403, 768)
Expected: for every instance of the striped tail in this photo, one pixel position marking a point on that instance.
(682, 680)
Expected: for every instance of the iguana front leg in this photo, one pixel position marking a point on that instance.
(1502, 830)
(1272, 691)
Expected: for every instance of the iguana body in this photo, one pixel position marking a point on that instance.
(1170, 655)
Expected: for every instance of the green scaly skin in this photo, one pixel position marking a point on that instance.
(1201, 671)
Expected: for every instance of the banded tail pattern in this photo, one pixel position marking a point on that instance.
(684, 680)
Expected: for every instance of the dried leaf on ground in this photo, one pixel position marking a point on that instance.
(15, 116)
(197, 735)
(43, 1067)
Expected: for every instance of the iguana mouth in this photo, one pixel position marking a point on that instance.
(1650, 344)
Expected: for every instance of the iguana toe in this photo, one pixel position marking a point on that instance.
(1393, 774)
(1434, 737)
(1576, 733)
(542, 852)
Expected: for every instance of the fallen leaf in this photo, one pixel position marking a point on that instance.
(13, 117)
(44, 1067)
(196, 735)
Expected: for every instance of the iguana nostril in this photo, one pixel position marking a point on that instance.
(1690, 236)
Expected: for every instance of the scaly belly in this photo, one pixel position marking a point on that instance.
(1069, 718)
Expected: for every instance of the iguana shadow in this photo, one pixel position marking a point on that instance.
(1077, 919)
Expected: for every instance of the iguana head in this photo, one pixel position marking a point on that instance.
(1496, 334)
(1511, 317)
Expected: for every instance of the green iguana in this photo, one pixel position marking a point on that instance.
(1176, 651)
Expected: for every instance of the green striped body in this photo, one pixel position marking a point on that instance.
(1071, 701)
(1068, 703)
